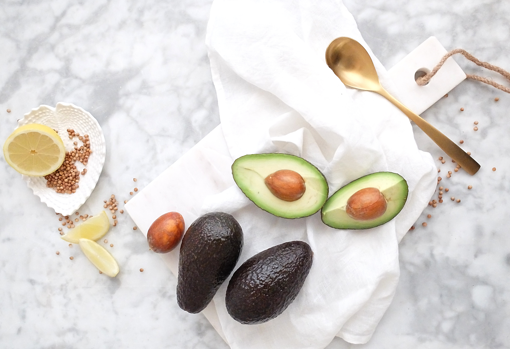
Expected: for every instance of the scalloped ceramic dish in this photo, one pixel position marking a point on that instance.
(61, 118)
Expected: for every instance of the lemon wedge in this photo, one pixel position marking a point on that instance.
(93, 229)
(34, 150)
(101, 258)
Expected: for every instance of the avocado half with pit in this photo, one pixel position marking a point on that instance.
(367, 202)
(284, 185)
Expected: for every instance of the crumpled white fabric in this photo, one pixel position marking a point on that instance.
(276, 94)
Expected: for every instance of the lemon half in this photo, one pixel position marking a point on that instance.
(93, 229)
(101, 258)
(34, 150)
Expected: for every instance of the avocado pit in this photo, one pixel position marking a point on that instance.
(286, 185)
(366, 204)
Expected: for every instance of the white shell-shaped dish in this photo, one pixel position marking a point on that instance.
(67, 116)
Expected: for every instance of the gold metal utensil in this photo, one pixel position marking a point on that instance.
(352, 64)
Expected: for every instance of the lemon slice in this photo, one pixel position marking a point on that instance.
(34, 150)
(101, 258)
(93, 229)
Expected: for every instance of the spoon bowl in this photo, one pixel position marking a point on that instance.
(352, 64)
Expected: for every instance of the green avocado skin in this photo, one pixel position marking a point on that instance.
(265, 285)
(208, 255)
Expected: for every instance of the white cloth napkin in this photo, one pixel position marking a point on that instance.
(276, 94)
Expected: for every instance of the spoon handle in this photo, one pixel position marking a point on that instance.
(445, 143)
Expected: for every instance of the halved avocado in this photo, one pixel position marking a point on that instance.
(284, 185)
(367, 202)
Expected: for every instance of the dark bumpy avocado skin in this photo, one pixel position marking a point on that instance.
(264, 286)
(209, 252)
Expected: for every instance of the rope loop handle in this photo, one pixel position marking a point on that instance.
(422, 81)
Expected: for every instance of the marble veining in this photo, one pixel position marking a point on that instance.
(141, 69)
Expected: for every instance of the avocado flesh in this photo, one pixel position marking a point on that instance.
(267, 283)
(392, 186)
(208, 255)
(250, 171)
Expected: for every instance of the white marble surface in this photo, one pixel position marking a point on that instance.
(142, 70)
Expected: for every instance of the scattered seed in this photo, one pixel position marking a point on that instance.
(77, 220)
(476, 122)
(111, 245)
(440, 201)
(71, 258)
(412, 228)
(439, 179)
(134, 228)
(59, 229)
(456, 169)
(461, 109)
(446, 190)
(453, 198)
(61, 233)
(8, 110)
(424, 224)
(134, 179)
(58, 253)
(475, 128)
(105, 241)
(130, 193)
(114, 216)
(434, 205)
(440, 158)
(105, 205)
(125, 201)
(461, 141)
(121, 211)
(429, 216)
(136, 189)
(440, 188)
(443, 161)
(100, 272)
(440, 192)
(141, 270)
(458, 200)
(496, 99)
(468, 153)
(70, 245)
(438, 170)
(470, 187)
(446, 95)
(493, 169)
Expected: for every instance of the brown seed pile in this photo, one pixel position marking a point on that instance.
(65, 179)
(111, 204)
(67, 221)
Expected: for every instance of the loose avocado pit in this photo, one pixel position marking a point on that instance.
(367, 202)
(284, 185)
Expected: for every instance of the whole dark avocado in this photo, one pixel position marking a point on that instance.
(265, 285)
(209, 252)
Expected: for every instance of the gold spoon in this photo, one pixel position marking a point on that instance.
(352, 64)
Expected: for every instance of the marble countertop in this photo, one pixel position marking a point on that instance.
(141, 68)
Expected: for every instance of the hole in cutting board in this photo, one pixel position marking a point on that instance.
(421, 72)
